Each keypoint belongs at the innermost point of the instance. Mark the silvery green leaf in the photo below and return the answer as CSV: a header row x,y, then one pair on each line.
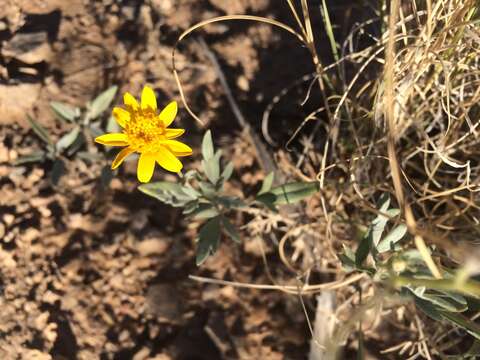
x,y
191,192
379,223
211,167
384,202
67,140
208,190
190,207
205,211
112,125
41,132
207,145
231,202
267,183
230,230
95,130
101,102
227,172
289,193
31,158
190,174
64,111
208,240
394,236
167,192
77,144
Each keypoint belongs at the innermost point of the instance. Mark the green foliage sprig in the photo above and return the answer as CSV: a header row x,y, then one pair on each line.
x,y
404,268
202,197
86,123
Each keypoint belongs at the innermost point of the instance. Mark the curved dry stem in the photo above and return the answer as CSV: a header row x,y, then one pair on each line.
x,y
215,20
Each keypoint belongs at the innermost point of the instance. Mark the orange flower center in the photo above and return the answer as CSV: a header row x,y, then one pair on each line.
x,y
145,131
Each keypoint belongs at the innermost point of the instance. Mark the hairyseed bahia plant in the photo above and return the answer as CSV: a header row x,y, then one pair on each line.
x,y
146,132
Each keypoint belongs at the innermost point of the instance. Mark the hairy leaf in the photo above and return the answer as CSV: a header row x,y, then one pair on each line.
x,y
211,166
102,102
167,192
230,230
267,183
67,140
227,172
205,211
288,193
394,236
64,111
207,145
31,158
41,132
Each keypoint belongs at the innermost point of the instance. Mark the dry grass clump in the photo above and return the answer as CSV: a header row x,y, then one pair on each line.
x,y
437,115
419,142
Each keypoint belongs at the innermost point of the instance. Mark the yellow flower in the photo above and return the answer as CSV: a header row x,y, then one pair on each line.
x,y
146,132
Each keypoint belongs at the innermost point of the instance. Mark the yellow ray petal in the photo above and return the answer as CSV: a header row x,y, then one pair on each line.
x,y
112,139
149,101
168,113
178,147
168,161
146,166
130,101
173,133
120,157
181,154
121,115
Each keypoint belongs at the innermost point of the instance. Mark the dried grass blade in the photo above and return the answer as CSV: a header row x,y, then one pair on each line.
x,y
215,20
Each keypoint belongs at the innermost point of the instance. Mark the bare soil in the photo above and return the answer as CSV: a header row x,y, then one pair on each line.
x,y
95,273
